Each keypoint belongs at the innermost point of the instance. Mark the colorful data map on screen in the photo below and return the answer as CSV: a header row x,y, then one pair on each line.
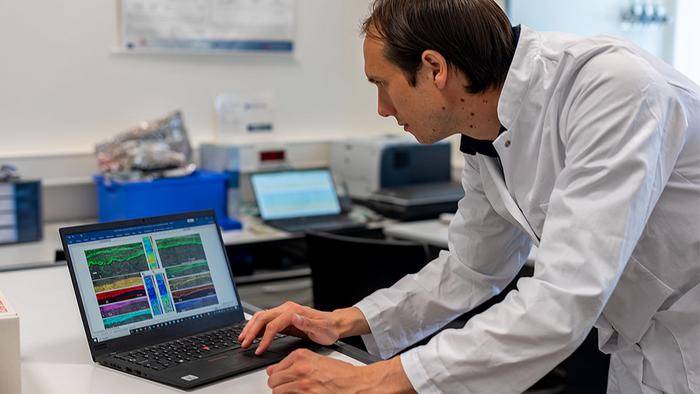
x,y
119,288
137,281
187,271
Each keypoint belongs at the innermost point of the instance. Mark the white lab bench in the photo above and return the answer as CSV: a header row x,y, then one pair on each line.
x,y
54,351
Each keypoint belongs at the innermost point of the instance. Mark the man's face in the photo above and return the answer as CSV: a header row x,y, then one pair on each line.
x,y
420,109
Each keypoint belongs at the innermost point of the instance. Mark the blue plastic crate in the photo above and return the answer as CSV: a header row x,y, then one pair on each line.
x,y
118,200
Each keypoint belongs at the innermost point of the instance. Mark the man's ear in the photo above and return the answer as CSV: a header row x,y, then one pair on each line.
x,y
435,67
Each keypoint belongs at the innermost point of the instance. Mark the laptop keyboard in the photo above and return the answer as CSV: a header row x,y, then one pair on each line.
x,y
173,353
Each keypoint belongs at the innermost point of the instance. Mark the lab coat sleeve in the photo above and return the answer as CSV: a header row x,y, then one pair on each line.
x,y
621,134
485,253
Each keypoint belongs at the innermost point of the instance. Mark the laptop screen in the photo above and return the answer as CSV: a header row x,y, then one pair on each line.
x,y
133,279
295,194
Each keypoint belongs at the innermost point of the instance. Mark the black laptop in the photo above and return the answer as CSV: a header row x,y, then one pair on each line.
x,y
300,200
158,300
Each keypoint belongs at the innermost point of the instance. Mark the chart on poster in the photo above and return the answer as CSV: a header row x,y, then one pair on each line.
x,y
205,26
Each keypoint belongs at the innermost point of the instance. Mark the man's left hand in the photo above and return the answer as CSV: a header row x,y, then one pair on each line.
x,y
304,371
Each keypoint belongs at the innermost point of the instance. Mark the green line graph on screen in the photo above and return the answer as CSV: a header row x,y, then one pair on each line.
x,y
116,260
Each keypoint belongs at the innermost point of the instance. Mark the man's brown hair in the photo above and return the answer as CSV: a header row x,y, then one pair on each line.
x,y
473,35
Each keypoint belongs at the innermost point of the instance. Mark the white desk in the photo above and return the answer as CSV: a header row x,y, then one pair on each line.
x,y
55,355
43,253
31,254
433,232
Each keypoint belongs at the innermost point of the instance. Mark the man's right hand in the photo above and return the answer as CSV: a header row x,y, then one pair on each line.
x,y
301,321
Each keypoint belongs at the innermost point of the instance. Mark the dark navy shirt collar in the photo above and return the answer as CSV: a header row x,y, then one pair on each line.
x,y
473,146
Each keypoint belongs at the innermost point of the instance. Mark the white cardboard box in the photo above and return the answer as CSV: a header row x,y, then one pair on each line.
x,y
9,349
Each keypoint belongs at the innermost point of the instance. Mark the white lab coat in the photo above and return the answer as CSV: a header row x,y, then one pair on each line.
x,y
601,170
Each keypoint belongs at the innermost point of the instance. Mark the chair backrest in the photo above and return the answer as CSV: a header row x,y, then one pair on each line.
x,y
345,269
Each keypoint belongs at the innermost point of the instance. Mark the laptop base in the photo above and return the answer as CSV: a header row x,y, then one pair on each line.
x,y
213,368
337,224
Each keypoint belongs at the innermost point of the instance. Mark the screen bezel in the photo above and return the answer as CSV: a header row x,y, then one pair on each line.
x,y
264,173
156,335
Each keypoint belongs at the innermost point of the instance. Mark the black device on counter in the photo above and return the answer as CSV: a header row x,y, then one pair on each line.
x,y
416,202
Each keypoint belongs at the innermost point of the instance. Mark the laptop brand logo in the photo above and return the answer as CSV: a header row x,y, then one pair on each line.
x,y
189,378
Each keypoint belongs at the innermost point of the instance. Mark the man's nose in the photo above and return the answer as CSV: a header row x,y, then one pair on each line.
x,y
385,109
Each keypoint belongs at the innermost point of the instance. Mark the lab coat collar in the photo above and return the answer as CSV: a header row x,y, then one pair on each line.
x,y
519,77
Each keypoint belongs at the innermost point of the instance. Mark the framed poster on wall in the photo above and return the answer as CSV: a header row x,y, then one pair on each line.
x,y
206,26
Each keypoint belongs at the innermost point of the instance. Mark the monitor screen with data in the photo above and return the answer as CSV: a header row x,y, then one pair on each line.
x,y
138,277
295,194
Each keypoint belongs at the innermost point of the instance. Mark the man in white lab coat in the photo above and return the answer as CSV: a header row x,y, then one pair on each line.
x,y
587,148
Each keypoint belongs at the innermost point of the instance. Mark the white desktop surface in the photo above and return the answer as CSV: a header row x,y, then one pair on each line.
x,y
433,232
43,252
54,350
36,252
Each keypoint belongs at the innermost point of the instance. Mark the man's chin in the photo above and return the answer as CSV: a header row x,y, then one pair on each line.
x,y
426,139
419,139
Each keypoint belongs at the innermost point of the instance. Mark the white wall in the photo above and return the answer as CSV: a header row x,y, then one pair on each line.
x,y
594,17
686,53
61,90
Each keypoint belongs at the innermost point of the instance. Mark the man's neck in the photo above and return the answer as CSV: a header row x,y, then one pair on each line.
x,y
478,117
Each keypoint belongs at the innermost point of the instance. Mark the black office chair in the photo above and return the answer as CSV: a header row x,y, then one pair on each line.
x,y
345,269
